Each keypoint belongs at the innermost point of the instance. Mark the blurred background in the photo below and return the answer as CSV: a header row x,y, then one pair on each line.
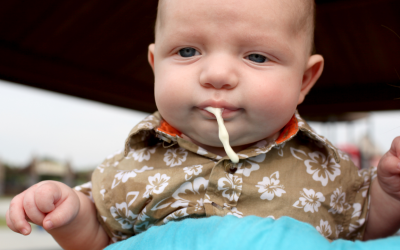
x,y
74,79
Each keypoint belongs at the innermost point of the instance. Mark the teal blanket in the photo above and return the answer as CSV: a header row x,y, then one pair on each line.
x,y
250,232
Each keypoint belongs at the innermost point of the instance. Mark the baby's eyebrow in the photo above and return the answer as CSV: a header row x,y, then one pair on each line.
x,y
272,43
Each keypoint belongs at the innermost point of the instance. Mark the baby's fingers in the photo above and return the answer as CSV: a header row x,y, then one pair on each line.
x,y
64,208
30,206
15,216
46,196
9,223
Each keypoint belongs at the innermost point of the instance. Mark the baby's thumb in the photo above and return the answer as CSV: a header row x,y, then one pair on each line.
x,y
390,163
61,215
395,147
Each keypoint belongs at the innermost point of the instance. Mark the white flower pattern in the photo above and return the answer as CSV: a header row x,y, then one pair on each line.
x,y
251,165
231,187
175,157
124,175
233,211
367,182
190,191
269,187
338,202
176,215
310,201
123,215
157,184
321,167
193,170
339,229
142,154
356,223
199,205
324,228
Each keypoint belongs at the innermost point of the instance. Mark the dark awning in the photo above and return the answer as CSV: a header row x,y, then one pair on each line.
x,y
98,50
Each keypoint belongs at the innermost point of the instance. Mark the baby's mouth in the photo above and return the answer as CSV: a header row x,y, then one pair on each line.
x,y
223,133
228,109
226,113
211,111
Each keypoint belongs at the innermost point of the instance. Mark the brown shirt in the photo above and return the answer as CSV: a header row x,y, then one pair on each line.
x,y
161,177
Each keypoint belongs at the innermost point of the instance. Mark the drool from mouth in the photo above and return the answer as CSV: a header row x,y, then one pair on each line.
x,y
223,134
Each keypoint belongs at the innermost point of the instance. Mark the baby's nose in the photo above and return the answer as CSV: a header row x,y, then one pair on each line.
x,y
219,73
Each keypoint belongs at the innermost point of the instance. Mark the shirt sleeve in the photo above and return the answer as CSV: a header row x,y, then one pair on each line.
x,y
360,205
112,210
109,216
86,189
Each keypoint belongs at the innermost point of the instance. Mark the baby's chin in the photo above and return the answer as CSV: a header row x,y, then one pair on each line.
x,y
204,141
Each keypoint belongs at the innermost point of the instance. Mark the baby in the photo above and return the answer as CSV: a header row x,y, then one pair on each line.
x,y
251,60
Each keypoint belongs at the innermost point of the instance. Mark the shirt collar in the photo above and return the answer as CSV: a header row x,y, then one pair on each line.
x,y
155,126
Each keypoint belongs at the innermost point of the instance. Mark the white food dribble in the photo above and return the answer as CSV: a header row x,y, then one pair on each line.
x,y
223,134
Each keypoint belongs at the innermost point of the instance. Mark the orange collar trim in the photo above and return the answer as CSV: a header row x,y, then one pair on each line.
x,y
288,131
291,128
168,129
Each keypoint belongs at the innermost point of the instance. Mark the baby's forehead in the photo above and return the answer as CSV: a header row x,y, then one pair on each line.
x,y
299,14
293,8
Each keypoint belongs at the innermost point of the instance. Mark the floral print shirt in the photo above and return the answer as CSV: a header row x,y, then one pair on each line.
x,y
160,177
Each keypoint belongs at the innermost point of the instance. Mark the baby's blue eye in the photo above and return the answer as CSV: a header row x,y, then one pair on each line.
x,y
257,58
188,52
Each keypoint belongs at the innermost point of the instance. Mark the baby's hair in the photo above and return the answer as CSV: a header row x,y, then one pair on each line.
x,y
158,17
311,22
306,23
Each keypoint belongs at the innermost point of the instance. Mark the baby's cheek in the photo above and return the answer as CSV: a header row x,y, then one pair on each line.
x,y
167,93
274,109
262,101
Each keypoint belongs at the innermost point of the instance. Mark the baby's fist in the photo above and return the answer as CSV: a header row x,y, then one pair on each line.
x,y
49,204
389,170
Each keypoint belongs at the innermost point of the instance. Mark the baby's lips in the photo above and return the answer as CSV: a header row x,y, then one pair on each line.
x,y
212,110
222,104
226,114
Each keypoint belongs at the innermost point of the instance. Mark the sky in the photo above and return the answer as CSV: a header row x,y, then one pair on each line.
x,y
41,123
38,123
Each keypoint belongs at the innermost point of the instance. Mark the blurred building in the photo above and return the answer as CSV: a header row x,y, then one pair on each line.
x,y
39,170
371,154
365,154
14,179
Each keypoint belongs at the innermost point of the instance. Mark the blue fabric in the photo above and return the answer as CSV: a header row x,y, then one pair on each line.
x,y
250,232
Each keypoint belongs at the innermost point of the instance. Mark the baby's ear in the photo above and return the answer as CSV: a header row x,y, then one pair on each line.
x,y
150,55
313,71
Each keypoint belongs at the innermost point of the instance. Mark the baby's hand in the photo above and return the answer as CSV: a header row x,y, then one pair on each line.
x,y
389,170
49,204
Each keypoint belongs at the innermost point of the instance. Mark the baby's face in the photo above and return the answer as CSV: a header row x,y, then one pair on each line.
x,y
243,56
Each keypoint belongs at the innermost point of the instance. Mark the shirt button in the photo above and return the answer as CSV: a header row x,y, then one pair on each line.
x,y
232,170
229,167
